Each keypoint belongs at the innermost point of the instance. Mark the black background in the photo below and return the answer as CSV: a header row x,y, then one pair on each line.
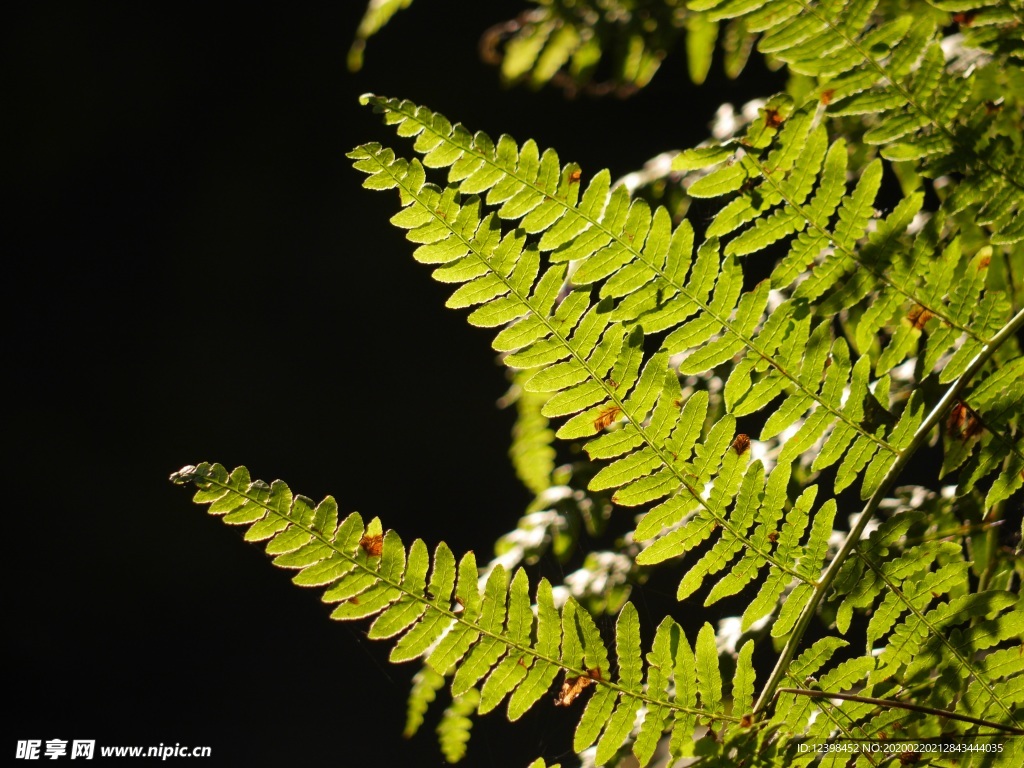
x,y
194,273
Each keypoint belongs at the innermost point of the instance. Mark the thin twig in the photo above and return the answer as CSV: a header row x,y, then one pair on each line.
x,y
901,705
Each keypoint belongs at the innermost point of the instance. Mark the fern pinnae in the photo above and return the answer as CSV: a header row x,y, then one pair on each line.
x,y
844,676
918,106
659,674
843,240
627,647
921,624
456,723
542,671
911,443
788,707
425,685
594,399
377,14
459,628
635,223
489,649
432,624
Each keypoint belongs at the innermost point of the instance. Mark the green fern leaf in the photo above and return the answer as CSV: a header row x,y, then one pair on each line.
x,y
685,677
743,681
486,652
719,556
405,610
474,637
461,634
874,331
423,634
595,718
627,648
425,685
659,676
709,678
453,730
768,516
543,671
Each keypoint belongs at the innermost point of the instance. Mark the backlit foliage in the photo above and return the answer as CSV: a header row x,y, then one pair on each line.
x,y
757,436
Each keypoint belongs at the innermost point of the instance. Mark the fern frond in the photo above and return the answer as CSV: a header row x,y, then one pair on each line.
x,y
590,356
425,685
490,644
906,280
378,13
532,453
453,730
372,573
586,354
897,71
566,43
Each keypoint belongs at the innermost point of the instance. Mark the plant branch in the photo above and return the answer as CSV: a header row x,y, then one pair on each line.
x,y
901,705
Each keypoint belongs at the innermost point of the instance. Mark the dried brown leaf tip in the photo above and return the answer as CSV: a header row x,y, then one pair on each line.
x,y
956,419
607,417
574,686
772,118
826,96
741,444
963,422
919,316
372,545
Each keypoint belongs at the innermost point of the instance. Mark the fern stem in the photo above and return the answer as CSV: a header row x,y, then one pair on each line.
x,y
901,705
898,465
